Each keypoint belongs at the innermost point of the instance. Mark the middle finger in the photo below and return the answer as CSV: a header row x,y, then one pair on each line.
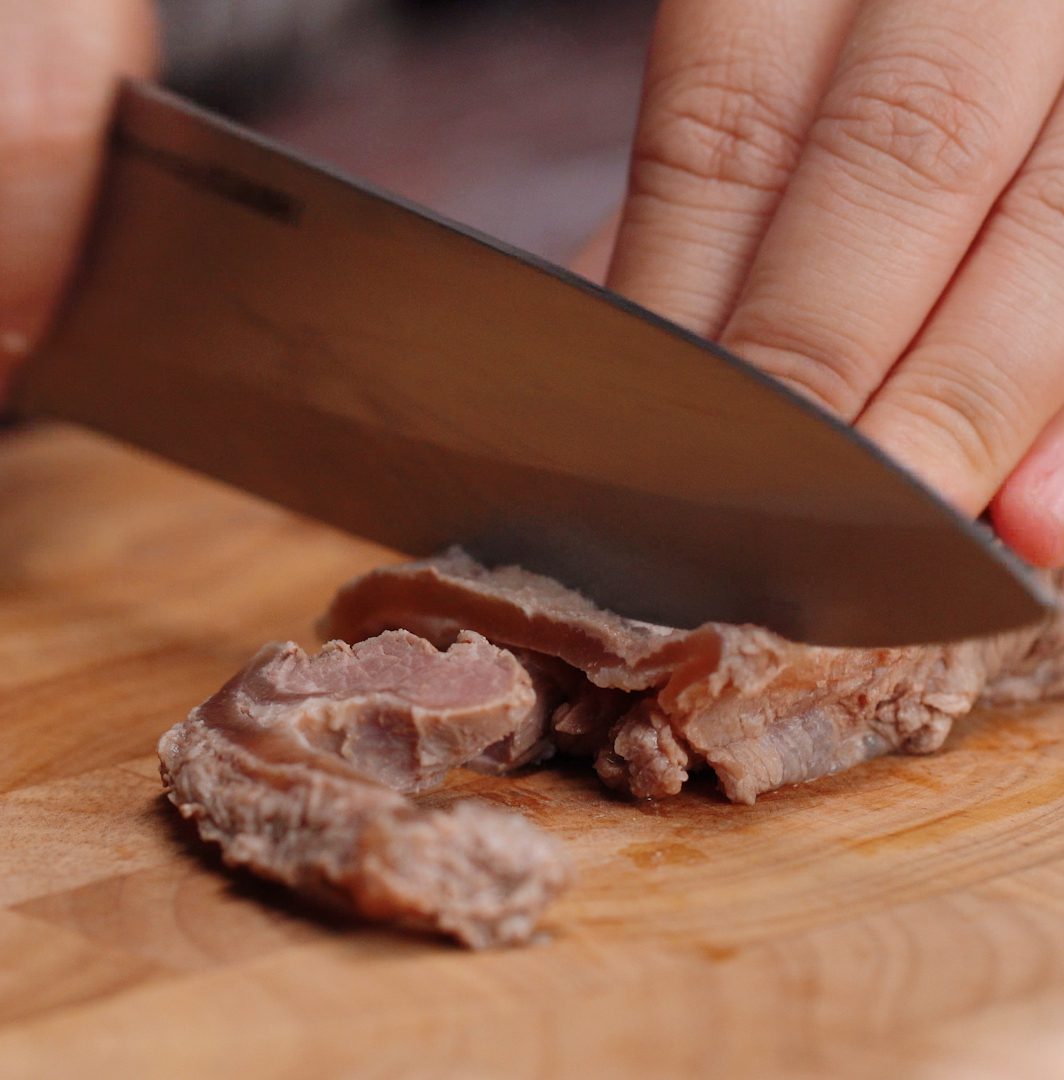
x,y
731,87
933,106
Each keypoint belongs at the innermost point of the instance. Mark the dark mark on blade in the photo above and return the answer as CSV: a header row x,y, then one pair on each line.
x,y
217,179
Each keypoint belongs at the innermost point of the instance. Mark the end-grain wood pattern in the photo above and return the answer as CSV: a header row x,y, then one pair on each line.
x,y
906,919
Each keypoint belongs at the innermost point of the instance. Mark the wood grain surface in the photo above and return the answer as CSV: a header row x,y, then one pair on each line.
x,y
904,920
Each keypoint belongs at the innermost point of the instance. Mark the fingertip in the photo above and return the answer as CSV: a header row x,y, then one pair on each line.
x,y
1025,521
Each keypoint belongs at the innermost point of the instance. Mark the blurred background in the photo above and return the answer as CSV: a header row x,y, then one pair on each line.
x,y
513,116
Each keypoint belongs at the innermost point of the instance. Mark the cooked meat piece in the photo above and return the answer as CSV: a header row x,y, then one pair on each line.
x,y
395,708
296,765
1036,675
815,711
438,597
759,710
530,743
580,725
643,755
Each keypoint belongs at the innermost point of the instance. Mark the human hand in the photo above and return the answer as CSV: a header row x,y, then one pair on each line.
x,y
865,198
61,60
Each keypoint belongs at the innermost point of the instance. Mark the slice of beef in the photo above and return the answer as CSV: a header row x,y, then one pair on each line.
x,y
436,598
641,754
1035,675
296,768
812,711
581,723
530,743
759,710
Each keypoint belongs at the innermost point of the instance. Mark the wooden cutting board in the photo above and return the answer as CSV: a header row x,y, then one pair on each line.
x,y
906,919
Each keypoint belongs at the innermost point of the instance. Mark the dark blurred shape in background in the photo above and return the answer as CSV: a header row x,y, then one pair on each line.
x,y
513,116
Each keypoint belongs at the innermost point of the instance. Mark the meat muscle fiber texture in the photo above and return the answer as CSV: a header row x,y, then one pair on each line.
x,y
296,768
758,710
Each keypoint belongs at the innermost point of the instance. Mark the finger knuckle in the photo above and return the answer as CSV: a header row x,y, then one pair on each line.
x,y
932,120
817,361
709,126
966,406
1036,200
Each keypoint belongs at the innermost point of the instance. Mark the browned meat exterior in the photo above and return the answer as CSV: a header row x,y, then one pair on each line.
x,y
759,710
296,768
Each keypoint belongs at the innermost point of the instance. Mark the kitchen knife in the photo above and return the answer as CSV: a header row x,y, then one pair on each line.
x,y
358,359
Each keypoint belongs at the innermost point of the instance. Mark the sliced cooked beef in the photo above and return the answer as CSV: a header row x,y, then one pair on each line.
x,y
1035,675
299,765
815,711
759,710
296,768
438,597
579,725
530,743
642,754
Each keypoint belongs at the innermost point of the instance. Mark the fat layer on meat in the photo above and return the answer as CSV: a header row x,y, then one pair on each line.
x,y
759,710
298,765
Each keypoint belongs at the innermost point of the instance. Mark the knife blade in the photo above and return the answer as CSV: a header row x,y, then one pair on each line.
x,y
360,360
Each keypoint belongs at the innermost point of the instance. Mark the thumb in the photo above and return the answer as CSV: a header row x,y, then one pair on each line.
x,y
62,59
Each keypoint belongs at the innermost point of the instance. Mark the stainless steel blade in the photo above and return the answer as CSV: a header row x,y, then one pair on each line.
x,y
359,360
